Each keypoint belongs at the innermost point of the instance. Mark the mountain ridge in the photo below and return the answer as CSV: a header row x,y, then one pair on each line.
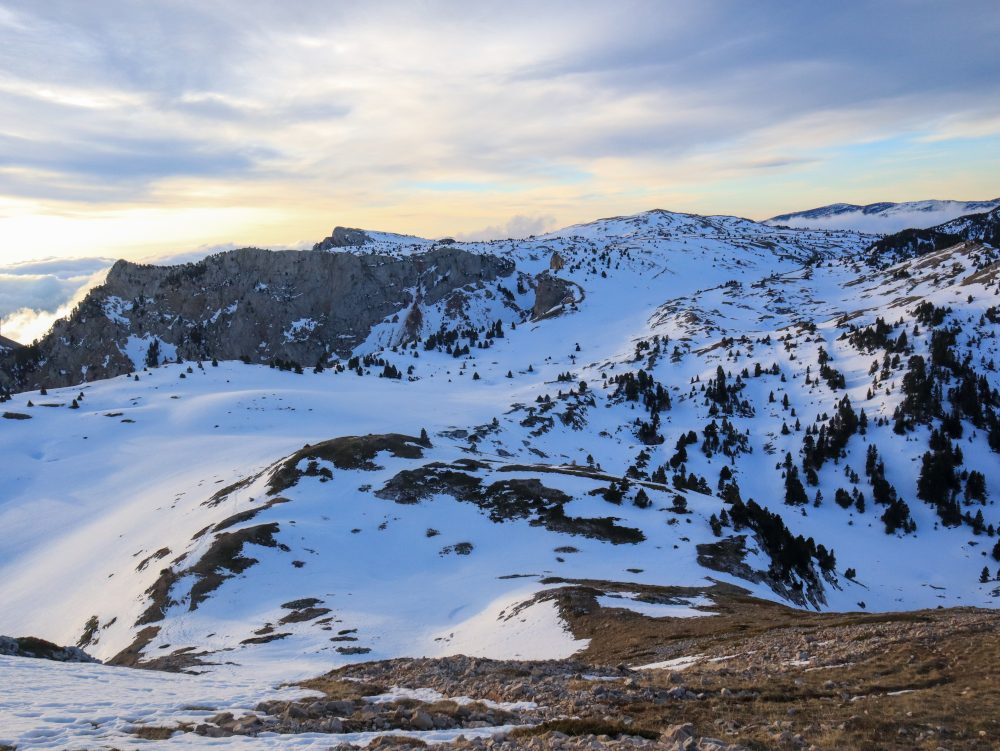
x,y
884,217
296,318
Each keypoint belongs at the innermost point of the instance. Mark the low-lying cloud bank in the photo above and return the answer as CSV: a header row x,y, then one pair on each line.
x,y
34,294
918,214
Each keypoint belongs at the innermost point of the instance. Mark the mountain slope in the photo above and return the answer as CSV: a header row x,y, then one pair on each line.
x,y
984,228
669,401
882,218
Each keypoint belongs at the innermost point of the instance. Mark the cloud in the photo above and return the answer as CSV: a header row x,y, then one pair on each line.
x,y
46,285
516,228
888,222
365,110
34,295
60,268
25,325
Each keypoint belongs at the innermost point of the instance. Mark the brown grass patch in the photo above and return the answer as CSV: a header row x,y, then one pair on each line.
x,y
585,727
153,732
339,690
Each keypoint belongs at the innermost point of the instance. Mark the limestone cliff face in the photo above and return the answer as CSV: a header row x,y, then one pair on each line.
x,y
551,292
249,303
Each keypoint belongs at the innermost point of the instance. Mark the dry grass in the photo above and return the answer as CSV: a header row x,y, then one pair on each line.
x,y
153,732
339,690
621,636
873,682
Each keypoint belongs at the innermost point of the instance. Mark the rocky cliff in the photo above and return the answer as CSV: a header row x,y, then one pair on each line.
x,y
251,304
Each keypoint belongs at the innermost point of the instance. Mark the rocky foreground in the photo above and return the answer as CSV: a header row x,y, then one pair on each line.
x,y
922,680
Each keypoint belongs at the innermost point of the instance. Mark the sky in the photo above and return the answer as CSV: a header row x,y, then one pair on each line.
x,y
138,130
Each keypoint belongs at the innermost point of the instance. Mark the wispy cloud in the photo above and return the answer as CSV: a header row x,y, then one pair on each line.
x,y
447,118
516,228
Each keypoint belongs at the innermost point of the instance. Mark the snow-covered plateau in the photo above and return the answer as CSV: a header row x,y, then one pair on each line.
x,y
652,409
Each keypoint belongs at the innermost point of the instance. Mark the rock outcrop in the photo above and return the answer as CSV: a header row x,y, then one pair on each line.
x,y
29,646
251,304
550,293
343,237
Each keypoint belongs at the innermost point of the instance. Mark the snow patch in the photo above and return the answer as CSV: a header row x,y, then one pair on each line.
x,y
677,663
508,629
630,601
300,329
136,347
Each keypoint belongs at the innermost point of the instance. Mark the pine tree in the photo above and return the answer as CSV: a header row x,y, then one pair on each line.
x,y
843,498
795,494
984,576
153,354
612,494
975,487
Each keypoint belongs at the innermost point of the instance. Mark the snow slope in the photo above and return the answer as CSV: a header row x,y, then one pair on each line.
x,y
171,514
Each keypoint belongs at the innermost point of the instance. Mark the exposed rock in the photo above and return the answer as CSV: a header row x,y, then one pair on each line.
x,y
29,646
982,227
343,237
260,305
422,721
550,292
678,733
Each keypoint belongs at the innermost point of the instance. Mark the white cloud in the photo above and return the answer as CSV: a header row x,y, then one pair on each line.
x,y
265,120
516,228
35,295
883,223
26,325
48,284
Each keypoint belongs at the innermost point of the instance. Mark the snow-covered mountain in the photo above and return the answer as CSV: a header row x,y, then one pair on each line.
x,y
661,400
882,218
981,228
